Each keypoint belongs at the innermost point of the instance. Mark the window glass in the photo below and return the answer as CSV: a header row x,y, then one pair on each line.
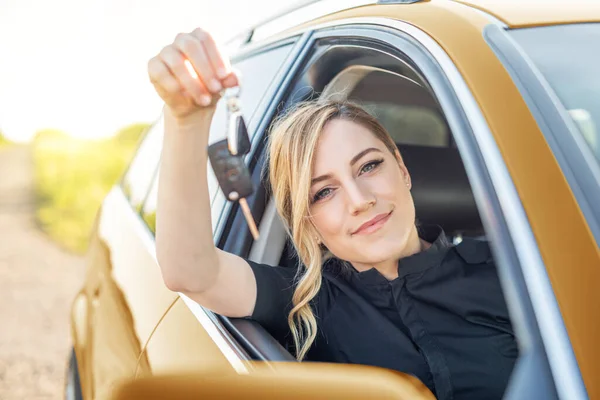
x,y
258,71
141,170
568,57
149,212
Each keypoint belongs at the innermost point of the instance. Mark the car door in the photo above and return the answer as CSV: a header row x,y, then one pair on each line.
x,y
482,130
124,296
553,69
503,151
190,337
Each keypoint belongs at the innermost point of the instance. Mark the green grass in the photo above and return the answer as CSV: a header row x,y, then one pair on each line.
x,y
72,177
4,141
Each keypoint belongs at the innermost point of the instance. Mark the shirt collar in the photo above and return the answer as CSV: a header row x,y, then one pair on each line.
x,y
416,263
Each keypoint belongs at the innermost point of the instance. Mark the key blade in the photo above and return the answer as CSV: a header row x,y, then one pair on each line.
x,y
249,218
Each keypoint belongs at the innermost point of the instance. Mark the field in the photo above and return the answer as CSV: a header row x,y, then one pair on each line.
x,y
72,177
3,141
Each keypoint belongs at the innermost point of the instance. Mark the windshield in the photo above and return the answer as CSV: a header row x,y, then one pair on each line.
x,y
569,58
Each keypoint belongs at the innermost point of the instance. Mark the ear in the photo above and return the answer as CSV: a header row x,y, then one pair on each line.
x,y
403,169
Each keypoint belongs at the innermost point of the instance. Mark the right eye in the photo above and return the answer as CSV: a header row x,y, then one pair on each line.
x,y
321,194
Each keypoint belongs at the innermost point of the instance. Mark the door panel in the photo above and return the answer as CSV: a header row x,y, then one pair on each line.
x,y
126,295
180,343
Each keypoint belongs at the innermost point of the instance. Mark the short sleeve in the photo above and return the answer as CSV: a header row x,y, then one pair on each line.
x,y
274,291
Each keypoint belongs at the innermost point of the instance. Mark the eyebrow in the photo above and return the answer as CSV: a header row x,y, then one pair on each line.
x,y
362,154
352,162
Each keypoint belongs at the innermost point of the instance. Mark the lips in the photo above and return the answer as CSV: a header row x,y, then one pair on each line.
x,y
373,224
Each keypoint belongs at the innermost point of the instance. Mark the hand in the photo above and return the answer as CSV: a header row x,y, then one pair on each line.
x,y
188,73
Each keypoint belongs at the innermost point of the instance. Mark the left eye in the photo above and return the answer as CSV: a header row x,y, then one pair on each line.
x,y
370,166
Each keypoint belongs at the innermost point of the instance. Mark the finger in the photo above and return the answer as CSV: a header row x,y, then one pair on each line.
x,y
174,60
162,79
221,67
193,50
174,98
167,86
233,79
168,94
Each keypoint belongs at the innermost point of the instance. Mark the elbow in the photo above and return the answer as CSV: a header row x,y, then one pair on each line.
x,y
185,277
171,274
180,284
173,283
171,279
187,286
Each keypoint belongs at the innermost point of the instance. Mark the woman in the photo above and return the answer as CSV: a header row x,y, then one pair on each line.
x,y
374,289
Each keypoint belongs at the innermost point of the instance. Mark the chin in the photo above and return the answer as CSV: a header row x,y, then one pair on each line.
x,y
382,249
388,246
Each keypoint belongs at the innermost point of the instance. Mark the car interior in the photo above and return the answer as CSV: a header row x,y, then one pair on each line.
x,y
395,92
441,190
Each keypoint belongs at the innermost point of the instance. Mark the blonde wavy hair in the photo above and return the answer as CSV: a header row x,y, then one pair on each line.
x,y
292,143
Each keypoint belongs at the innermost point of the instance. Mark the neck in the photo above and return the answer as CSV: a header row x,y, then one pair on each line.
x,y
389,268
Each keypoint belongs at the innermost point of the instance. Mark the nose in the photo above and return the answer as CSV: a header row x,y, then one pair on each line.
x,y
359,198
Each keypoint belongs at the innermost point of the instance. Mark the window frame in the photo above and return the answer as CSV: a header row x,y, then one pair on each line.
x,y
256,122
216,197
145,137
263,346
228,338
542,354
231,336
576,161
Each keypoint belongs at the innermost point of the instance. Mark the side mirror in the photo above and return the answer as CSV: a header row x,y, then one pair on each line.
x,y
280,380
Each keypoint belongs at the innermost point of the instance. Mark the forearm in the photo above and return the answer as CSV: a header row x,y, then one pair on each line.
x,y
184,244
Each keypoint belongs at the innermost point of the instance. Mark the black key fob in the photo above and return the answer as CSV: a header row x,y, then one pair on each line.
x,y
231,171
227,160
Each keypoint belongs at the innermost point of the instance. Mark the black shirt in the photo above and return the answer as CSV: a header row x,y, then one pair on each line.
x,y
444,319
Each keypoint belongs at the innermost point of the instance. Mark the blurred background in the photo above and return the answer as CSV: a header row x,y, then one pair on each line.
x,y
74,100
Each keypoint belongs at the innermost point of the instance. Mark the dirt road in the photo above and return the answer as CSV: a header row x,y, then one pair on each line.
x,y
37,283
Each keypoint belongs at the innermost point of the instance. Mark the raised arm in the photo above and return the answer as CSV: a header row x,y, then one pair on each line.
x,y
188,75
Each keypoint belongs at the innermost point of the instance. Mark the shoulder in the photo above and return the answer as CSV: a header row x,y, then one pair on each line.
x,y
474,251
279,280
260,270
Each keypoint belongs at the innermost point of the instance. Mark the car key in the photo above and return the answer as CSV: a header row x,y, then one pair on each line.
x,y
227,159
237,133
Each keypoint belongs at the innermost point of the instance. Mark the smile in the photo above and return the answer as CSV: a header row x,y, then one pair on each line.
x,y
373,225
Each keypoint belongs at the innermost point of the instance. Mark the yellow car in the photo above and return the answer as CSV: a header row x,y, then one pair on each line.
x,y
495,106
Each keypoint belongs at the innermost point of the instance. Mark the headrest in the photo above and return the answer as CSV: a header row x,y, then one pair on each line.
x,y
441,189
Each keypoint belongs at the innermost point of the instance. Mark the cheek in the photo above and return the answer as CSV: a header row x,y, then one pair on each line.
x,y
390,189
388,186
329,218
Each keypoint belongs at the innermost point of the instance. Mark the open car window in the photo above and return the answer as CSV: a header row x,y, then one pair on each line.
x,y
430,143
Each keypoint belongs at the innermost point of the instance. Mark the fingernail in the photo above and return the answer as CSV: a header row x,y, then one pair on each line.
x,y
205,100
215,86
221,73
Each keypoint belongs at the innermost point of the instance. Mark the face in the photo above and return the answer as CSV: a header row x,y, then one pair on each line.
x,y
360,196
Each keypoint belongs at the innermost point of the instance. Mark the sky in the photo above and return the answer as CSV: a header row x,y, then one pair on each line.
x,y
80,66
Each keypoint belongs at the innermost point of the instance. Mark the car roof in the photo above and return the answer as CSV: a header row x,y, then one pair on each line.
x,y
519,14
513,13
